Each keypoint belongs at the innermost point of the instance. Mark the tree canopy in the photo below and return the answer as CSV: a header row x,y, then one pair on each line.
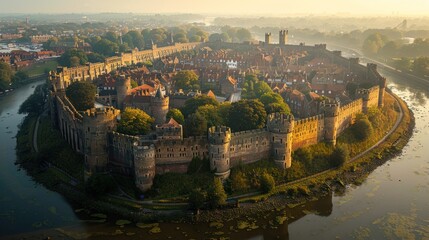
x,y
195,125
273,102
186,80
72,58
267,182
82,95
6,74
211,114
191,105
34,104
134,122
105,47
216,194
340,156
254,88
176,114
247,115
362,129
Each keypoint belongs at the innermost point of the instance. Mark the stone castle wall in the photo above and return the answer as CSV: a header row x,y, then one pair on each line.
x,y
308,131
249,146
93,70
93,132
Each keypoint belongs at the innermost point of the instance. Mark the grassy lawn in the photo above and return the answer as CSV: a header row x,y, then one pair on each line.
x,y
41,67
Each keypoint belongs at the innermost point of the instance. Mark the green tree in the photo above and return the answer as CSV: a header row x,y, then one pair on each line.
x,y
6,74
224,37
181,38
247,115
216,194
223,111
403,64
362,129
273,102
95,58
197,198
304,155
243,34
186,80
99,184
421,66
196,125
134,122
267,182
239,182
111,36
34,104
19,76
192,104
82,95
254,88
340,156
134,84
134,39
72,57
373,43
105,47
176,114
211,114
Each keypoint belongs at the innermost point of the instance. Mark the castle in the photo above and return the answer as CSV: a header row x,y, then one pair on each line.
x,y
92,132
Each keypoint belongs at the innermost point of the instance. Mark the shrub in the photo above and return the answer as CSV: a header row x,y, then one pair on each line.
x,y
99,184
197,198
362,129
216,194
340,156
267,182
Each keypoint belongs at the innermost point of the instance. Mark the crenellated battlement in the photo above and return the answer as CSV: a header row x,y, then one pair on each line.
x,y
219,135
280,122
105,112
309,119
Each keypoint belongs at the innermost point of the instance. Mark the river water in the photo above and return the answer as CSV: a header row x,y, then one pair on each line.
x,y
391,204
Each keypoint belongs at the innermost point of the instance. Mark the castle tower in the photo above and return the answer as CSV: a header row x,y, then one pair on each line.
x,y
364,94
123,86
219,139
283,37
159,107
331,110
382,90
144,166
267,38
281,130
97,123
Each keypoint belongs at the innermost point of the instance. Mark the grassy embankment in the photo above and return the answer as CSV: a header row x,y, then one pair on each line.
x,y
352,172
41,67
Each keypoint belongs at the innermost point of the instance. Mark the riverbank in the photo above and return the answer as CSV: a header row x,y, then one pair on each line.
x,y
313,187
294,193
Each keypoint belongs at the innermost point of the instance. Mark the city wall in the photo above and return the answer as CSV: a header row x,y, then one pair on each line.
x,y
92,133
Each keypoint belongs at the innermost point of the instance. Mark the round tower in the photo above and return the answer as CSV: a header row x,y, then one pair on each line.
x,y
382,89
331,110
159,107
219,140
144,166
96,124
281,128
123,86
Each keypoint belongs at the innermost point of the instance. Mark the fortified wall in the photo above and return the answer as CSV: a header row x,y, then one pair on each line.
x,y
92,132
91,71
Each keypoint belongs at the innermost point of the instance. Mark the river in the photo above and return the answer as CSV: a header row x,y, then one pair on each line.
x,y
392,203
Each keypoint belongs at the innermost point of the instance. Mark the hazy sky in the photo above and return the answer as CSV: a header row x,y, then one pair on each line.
x,y
255,7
